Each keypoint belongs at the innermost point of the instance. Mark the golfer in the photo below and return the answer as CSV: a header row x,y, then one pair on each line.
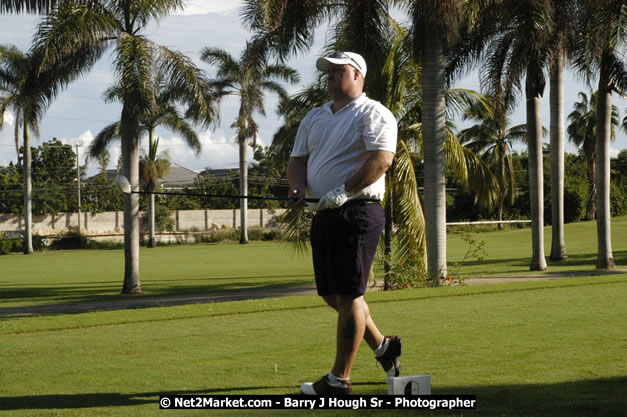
x,y
340,155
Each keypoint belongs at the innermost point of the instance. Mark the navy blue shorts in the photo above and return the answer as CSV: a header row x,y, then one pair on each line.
x,y
344,242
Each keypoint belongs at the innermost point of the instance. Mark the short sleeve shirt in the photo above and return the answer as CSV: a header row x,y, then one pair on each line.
x,y
336,144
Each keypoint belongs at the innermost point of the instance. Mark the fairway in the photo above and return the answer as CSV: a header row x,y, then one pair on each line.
x,y
72,276
204,269
530,349
524,349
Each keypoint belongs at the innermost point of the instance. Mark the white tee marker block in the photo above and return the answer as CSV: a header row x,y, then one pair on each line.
x,y
409,385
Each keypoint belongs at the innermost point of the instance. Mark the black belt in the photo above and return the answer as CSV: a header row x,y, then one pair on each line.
x,y
360,202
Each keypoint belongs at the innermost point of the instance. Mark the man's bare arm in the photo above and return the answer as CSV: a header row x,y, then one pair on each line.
x,y
375,165
297,178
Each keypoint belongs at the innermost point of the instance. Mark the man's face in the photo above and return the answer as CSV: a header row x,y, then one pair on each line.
x,y
342,80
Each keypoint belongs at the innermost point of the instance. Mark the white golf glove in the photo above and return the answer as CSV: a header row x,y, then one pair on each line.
x,y
333,199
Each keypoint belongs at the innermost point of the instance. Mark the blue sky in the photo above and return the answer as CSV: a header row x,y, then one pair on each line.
x,y
79,113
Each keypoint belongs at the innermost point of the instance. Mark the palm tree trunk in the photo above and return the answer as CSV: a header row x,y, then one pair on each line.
x,y
433,137
151,197
28,193
152,243
500,209
243,188
130,162
605,259
591,202
536,184
558,245
389,225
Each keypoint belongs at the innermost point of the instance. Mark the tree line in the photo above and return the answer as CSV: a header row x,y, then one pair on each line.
x,y
518,46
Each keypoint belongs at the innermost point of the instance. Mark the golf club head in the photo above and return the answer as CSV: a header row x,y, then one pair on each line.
x,y
123,184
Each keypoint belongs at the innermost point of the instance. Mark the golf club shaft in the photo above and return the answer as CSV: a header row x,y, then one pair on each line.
x,y
249,197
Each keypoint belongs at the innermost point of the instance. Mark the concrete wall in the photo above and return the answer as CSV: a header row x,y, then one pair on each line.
x,y
113,222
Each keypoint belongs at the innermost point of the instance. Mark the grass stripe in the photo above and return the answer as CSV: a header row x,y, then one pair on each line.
x,y
42,324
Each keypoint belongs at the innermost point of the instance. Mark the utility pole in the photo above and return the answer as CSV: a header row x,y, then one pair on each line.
x,y
78,182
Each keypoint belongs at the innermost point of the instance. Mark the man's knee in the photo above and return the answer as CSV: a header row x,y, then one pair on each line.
x,y
331,300
344,301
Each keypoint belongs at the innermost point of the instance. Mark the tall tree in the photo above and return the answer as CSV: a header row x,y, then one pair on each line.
x,y
598,53
492,138
521,49
27,91
582,132
248,77
565,13
162,111
80,33
447,35
288,26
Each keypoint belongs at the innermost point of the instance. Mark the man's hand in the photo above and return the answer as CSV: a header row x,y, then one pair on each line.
x,y
333,199
296,196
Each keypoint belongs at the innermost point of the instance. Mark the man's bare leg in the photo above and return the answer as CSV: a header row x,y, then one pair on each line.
x,y
372,335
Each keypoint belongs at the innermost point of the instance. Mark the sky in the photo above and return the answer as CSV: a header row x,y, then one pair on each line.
x,y
79,113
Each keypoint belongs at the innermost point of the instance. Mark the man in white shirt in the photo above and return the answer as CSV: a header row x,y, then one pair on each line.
x,y
340,156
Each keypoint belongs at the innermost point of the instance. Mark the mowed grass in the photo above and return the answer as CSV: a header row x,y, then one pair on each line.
x,y
509,252
86,275
550,348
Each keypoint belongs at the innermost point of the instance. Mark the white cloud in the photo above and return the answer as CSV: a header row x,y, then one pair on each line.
x,y
208,6
218,150
614,152
8,118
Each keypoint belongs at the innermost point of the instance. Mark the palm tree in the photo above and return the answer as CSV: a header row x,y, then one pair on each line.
x,y
492,139
439,28
80,32
565,12
522,49
27,92
249,77
287,26
602,25
582,132
152,166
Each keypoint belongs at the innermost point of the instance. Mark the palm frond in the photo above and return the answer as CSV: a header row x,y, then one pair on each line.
x,y
179,125
192,86
143,12
471,171
102,140
28,6
286,26
295,225
459,99
407,210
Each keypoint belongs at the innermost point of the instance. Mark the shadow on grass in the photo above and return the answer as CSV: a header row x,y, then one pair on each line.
x,y
172,297
592,397
95,291
516,266
73,401
603,397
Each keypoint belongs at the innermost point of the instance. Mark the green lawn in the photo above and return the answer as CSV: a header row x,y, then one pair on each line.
x,y
509,252
72,276
550,348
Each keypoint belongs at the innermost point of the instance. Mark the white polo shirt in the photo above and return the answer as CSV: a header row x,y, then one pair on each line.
x,y
336,144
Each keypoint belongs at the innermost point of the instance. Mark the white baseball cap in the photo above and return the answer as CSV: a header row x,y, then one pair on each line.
x,y
341,58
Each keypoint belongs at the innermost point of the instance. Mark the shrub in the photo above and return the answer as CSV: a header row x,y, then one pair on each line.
x,y
618,198
69,240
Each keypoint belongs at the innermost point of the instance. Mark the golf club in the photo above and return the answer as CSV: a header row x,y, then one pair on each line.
x,y
125,186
